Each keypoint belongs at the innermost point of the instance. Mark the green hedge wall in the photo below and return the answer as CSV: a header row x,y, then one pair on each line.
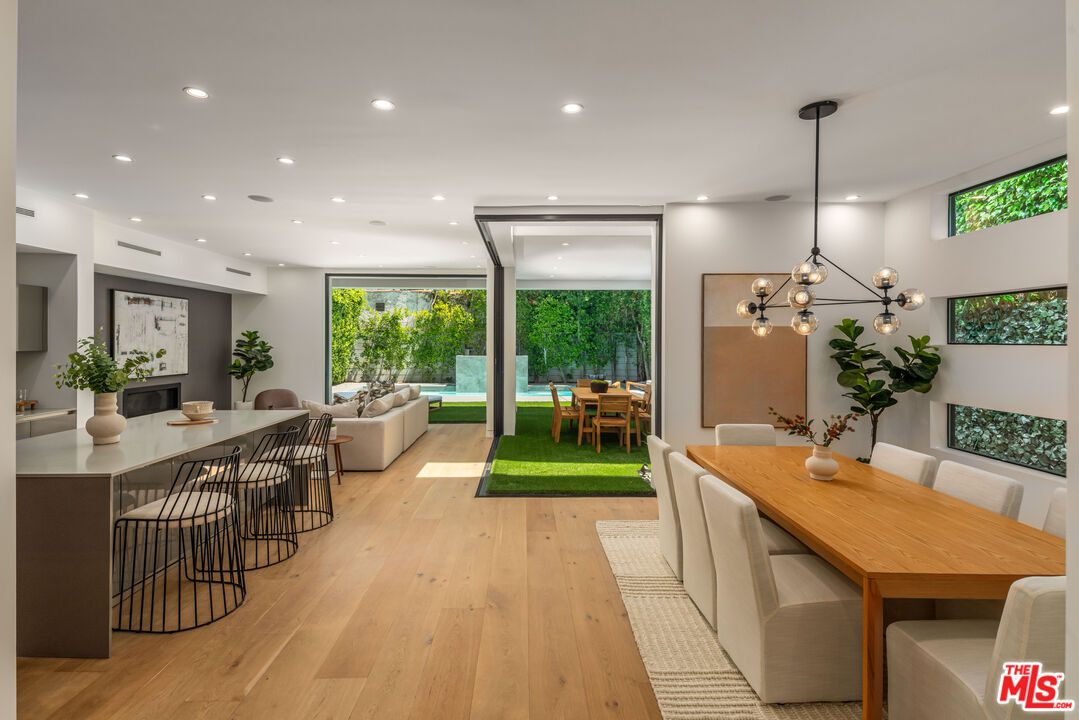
x,y
1027,440
1032,318
1034,192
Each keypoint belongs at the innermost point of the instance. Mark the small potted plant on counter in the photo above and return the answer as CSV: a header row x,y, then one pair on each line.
x,y
91,368
598,385
820,464
252,355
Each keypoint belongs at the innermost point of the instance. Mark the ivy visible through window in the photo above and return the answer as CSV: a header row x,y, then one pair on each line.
x,y
1033,317
1034,191
1027,440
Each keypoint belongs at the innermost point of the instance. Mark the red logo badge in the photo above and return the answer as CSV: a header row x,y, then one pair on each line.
x,y
1025,684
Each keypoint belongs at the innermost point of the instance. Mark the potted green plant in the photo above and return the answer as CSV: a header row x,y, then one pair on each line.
x,y
91,368
252,355
598,386
820,464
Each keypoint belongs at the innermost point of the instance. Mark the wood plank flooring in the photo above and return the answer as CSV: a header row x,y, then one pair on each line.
x,y
419,601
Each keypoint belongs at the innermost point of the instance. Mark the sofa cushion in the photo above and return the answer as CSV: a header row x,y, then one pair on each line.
x,y
401,397
377,406
337,410
414,391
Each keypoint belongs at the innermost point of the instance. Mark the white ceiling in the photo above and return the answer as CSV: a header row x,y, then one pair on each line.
x,y
681,98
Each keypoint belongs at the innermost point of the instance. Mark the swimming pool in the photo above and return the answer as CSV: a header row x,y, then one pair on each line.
x,y
537,392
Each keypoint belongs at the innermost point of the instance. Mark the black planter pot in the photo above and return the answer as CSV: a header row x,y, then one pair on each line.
x,y
598,386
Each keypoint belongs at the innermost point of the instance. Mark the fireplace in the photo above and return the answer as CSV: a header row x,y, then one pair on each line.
x,y
143,400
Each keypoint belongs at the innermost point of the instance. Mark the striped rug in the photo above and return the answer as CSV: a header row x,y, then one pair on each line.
x,y
692,677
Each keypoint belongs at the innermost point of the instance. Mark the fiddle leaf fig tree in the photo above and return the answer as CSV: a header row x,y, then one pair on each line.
x,y
252,355
858,364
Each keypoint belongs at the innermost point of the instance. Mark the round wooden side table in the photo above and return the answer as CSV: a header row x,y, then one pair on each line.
x,y
337,442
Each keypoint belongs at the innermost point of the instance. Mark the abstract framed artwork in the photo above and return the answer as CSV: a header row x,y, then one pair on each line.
x,y
743,375
145,322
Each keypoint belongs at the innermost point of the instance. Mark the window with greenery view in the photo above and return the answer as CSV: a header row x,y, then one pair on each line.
x,y
1027,440
1035,317
1034,191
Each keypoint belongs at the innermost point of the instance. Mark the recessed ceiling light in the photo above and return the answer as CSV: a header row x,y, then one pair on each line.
x,y
565,244
197,93
123,158
464,242
337,199
1059,110
550,276
260,198
559,257
572,108
82,196
280,264
439,198
202,240
471,257
453,222
297,221
702,198
777,198
382,104
135,219
853,197
382,266
247,254
209,197
334,242
377,223
286,160
552,197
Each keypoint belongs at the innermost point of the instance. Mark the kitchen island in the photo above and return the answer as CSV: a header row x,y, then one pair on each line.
x,y
69,493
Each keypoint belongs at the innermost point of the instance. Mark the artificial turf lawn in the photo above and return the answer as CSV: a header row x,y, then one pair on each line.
x,y
531,463
470,412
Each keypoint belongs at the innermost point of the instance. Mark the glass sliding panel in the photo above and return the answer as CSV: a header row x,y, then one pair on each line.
x,y
1033,317
1034,191
1027,440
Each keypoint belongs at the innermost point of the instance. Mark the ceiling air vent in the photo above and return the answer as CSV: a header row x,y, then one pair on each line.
x,y
138,248
24,211
238,272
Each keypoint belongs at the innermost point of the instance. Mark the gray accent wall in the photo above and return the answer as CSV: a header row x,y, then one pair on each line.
x,y
209,342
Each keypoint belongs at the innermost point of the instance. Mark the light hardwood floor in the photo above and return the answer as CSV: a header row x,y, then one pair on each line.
x,y
419,601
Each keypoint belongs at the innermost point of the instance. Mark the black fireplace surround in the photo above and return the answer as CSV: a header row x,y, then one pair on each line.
x,y
144,400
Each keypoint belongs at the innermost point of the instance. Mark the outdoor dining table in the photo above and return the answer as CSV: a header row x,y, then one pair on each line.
x,y
892,537
586,396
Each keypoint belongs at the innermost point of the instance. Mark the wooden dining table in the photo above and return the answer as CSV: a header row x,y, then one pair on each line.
x,y
585,396
893,537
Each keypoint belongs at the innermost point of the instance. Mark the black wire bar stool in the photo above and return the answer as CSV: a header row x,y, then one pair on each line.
x,y
310,474
180,557
264,494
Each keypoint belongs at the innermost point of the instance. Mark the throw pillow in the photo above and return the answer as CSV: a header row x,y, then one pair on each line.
x,y
338,410
400,397
414,391
377,406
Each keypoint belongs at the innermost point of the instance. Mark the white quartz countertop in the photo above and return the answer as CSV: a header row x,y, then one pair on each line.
x,y
146,440
42,414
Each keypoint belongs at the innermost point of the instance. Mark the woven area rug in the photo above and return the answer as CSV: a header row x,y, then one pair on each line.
x,y
691,675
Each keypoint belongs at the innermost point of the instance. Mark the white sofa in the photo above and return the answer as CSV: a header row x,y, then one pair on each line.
x,y
376,442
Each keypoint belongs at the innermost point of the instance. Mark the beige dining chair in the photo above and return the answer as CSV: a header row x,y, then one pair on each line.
x,y
698,570
791,623
745,434
670,532
1055,519
951,668
985,489
914,466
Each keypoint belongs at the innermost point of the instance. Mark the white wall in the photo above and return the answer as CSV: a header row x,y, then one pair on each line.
x,y
57,272
759,238
1072,624
1027,254
8,25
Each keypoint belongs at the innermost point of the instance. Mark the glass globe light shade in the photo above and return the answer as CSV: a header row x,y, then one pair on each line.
x,y
886,277
804,322
801,297
745,309
913,299
809,273
762,287
886,323
762,326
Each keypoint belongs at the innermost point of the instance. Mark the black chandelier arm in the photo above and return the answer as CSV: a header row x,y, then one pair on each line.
x,y
840,269
818,303
776,292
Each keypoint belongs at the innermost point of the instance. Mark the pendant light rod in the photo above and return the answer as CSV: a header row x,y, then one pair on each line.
x,y
816,186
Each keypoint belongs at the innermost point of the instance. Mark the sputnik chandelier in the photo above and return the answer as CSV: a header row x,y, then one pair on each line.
x,y
814,271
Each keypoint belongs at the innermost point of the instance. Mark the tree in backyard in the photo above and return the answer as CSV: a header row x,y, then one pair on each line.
x,y
385,345
554,332
347,306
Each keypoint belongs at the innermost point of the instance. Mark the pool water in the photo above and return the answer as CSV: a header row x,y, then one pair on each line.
x,y
539,392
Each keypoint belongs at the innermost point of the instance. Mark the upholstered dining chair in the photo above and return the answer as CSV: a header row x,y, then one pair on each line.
x,y
1055,519
670,532
914,466
745,434
952,668
985,489
791,623
698,569
558,415
277,399
613,412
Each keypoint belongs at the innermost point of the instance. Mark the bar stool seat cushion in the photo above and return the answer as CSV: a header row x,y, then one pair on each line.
x,y
304,453
262,474
184,509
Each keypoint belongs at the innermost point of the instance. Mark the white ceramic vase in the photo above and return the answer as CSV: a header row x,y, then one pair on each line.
x,y
106,424
241,405
820,464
